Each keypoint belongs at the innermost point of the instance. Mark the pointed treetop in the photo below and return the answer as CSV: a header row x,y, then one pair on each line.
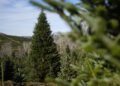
x,y
42,16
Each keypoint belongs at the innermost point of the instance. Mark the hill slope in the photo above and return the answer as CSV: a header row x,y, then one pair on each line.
x,y
15,40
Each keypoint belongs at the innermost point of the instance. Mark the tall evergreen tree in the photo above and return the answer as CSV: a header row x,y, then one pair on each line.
x,y
44,56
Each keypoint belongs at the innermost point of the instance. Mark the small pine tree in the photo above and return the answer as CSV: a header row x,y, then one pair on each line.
x,y
44,55
19,67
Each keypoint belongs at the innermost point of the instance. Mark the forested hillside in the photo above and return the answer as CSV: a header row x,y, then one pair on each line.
x,y
14,39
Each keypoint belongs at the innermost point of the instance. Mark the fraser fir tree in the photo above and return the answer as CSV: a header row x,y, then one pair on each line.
x,y
44,56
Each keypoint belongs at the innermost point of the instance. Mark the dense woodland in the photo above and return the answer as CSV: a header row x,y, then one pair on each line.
x,y
89,55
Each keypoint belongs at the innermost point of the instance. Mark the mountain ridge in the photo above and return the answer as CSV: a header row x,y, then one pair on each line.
x,y
15,40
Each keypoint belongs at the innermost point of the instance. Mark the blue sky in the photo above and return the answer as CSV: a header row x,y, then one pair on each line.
x,y
18,17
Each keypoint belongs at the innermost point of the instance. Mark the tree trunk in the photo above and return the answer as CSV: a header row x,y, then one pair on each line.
x,y
2,73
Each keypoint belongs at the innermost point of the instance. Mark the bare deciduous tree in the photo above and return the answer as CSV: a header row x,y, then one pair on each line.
x,y
6,49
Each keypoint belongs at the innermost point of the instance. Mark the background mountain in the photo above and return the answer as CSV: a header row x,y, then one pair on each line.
x,y
20,45
15,40
14,45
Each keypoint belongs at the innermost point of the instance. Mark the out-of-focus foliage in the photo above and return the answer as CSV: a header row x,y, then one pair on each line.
x,y
89,69
85,10
69,57
100,65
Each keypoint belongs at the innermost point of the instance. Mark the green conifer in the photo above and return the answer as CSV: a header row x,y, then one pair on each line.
x,y
44,55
